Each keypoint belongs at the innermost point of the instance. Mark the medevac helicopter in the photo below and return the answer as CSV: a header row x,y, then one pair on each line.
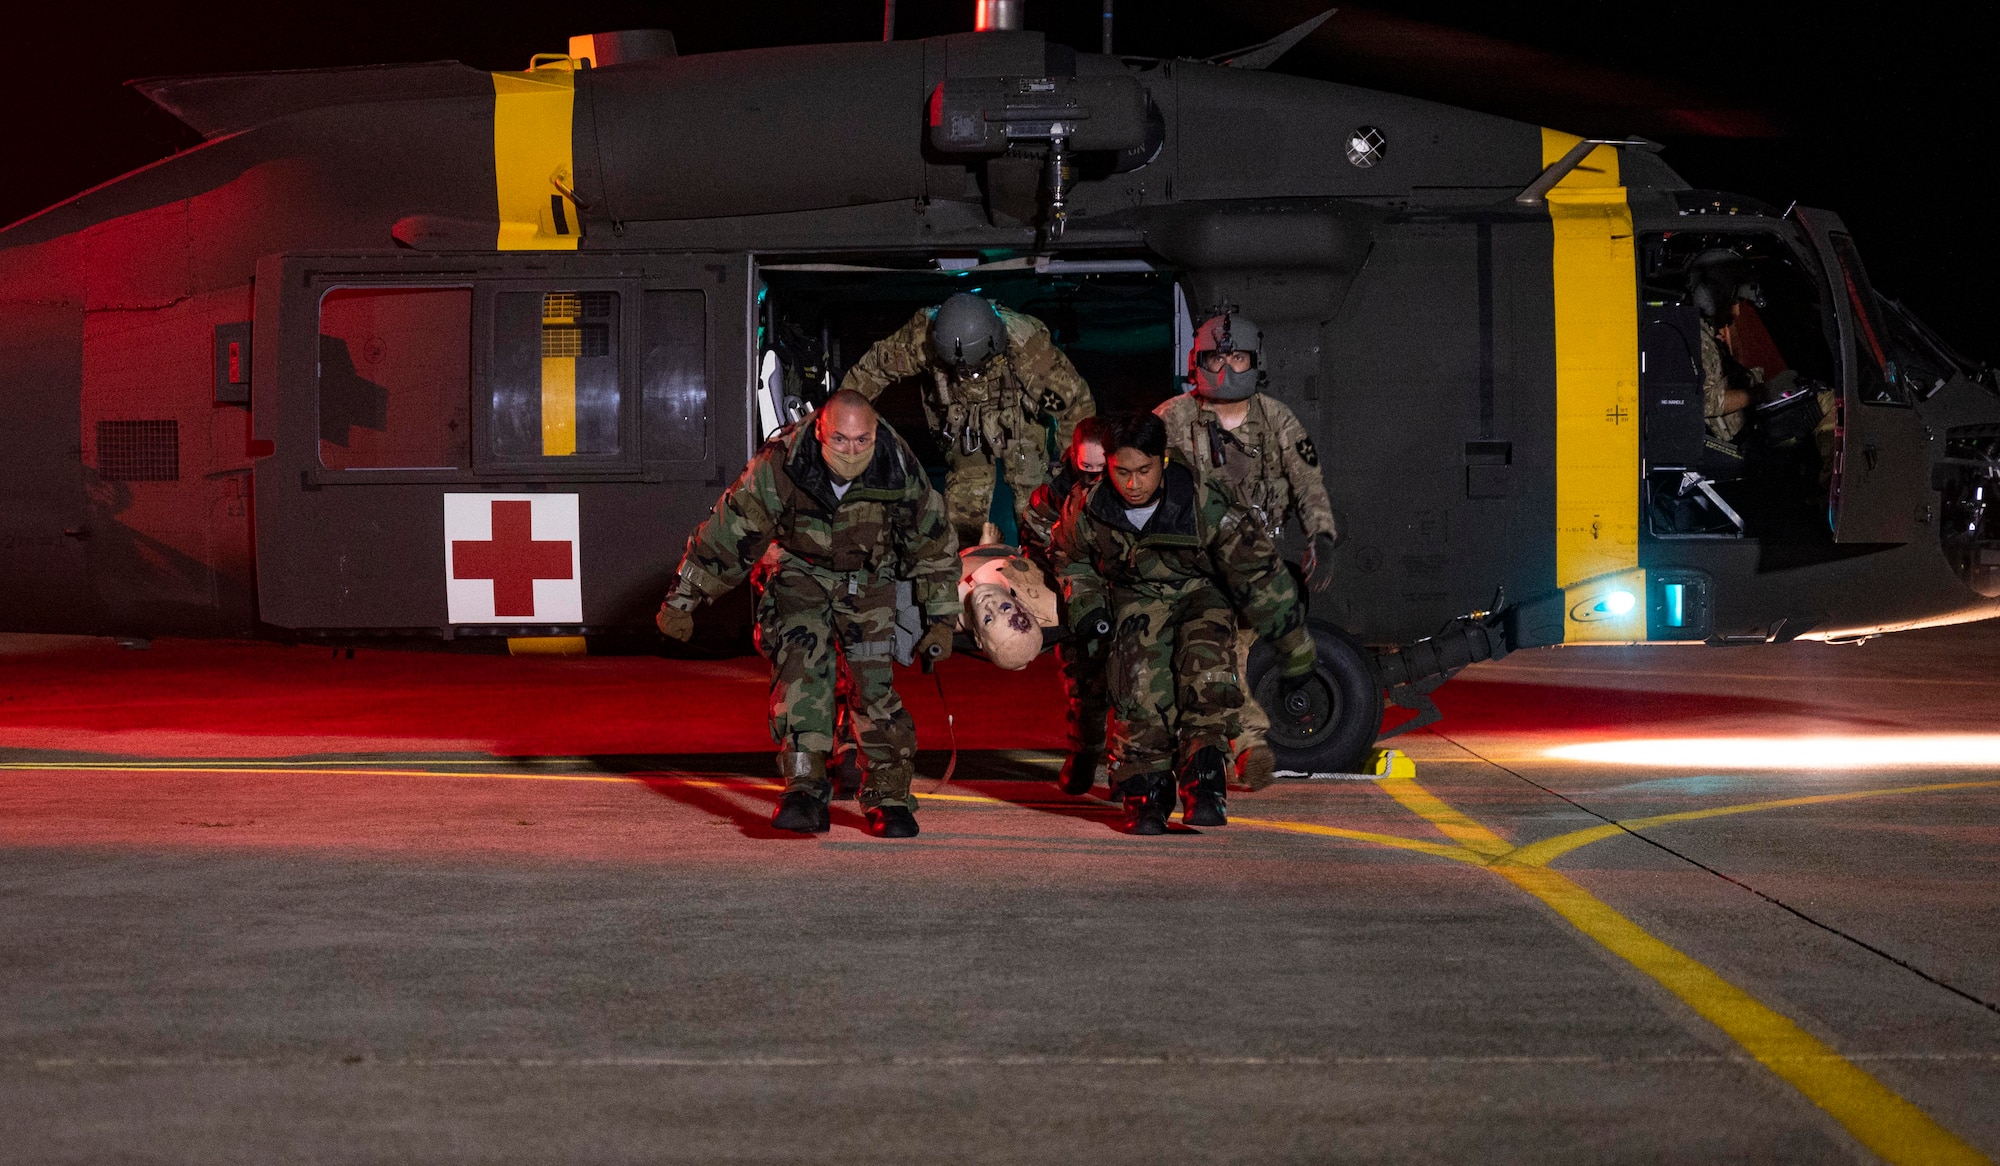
x,y
424,350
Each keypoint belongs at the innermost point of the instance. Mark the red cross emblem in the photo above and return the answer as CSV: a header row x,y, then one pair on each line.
x,y
511,558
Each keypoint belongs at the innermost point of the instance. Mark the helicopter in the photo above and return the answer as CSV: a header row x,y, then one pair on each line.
x,y
429,351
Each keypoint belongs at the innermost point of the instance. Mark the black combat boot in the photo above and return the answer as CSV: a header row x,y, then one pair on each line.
x,y
892,822
799,810
1149,800
1079,772
802,809
1204,788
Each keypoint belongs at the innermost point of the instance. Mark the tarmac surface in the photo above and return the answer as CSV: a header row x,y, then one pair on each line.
x,y
268,904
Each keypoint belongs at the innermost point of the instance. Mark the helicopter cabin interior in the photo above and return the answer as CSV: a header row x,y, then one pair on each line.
x,y
1115,319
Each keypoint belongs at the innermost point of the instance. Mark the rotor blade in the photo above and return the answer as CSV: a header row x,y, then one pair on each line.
x,y
1266,54
1377,49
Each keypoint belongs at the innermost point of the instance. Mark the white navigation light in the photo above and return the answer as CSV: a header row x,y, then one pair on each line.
x,y
1619,602
1806,752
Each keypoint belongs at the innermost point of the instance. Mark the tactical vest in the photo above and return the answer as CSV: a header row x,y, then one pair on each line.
x,y
991,412
1252,475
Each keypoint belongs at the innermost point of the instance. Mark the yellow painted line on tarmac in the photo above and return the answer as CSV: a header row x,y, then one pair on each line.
x,y
1879,1118
1421,846
1549,849
1874,1114
1449,822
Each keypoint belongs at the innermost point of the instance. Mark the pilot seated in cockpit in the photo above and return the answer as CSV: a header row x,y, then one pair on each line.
x,y
1718,282
1744,376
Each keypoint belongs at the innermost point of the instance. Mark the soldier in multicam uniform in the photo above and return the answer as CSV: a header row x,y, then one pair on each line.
x,y
1717,282
830,513
996,386
1174,566
1081,657
1255,448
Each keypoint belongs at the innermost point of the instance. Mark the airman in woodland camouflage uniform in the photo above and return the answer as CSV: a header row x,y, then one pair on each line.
x,y
1081,657
829,514
1255,448
1175,566
995,387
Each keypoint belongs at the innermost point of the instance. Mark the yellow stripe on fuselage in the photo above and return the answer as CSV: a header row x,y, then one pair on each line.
x,y
1597,383
558,406
531,155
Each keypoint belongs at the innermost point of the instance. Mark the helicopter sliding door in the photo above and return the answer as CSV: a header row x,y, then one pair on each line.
x,y
495,444
1880,486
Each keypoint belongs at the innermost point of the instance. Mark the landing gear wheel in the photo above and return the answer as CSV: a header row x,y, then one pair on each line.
x,y
1331,723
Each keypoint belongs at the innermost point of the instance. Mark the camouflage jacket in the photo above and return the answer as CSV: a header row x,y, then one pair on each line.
x,y
1720,372
1034,386
1268,464
1194,539
890,525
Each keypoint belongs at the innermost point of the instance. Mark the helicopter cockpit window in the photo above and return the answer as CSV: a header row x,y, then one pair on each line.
x,y
395,378
1737,379
1877,379
555,375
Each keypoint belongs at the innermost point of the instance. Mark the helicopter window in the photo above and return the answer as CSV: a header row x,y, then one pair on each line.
x,y
1736,376
555,374
395,378
674,376
1877,380
1923,362
1779,325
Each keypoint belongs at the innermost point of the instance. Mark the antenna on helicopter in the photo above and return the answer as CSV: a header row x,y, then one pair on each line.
x,y
1266,53
1107,28
888,20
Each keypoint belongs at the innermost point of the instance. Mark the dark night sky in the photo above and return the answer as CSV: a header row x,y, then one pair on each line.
x,y
1885,121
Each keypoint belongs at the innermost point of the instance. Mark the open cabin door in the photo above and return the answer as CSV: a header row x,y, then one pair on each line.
x,y
508,444
1880,485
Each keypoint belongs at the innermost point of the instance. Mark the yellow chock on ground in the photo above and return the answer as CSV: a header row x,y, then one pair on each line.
x,y
546,646
1391,763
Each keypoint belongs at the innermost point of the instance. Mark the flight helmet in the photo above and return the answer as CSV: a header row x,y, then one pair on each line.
x,y
1225,332
967,332
1719,277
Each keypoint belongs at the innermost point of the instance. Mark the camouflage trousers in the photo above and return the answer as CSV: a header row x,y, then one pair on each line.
x,y
1256,722
969,484
1173,679
1089,701
828,641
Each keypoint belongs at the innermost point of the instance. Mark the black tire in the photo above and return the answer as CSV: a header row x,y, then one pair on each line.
x,y
1343,708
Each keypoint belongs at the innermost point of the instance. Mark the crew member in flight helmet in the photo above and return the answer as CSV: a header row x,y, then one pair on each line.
x,y
1171,566
996,390
829,514
1252,445
1718,280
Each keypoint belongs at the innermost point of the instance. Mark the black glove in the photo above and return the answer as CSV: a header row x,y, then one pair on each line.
x,y
1318,561
1094,631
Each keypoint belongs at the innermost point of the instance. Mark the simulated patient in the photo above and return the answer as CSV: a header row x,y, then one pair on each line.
x,y
1006,599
